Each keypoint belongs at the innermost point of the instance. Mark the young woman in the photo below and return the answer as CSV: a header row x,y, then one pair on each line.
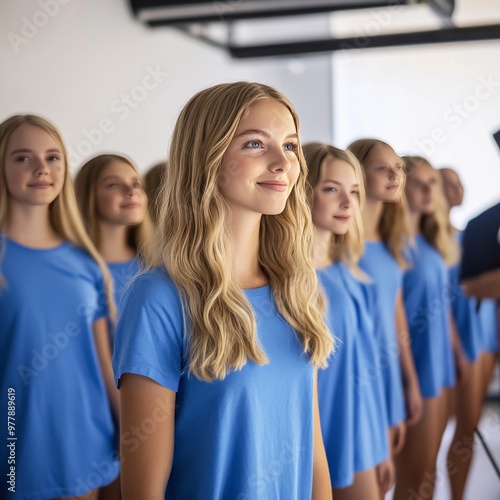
x,y
113,205
477,328
54,351
217,343
435,345
387,233
352,410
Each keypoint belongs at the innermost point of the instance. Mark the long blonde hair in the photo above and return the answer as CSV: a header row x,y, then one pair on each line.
x,y
63,211
348,247
436,227
193,244
152,183
86,187
393,225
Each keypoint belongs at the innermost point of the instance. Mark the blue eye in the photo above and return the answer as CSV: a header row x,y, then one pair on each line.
x,y
329,190
290,147
253,144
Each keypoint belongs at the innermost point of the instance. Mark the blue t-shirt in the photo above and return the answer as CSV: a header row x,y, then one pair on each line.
x,y
66,439
247,436
123,273
387,277
335,395
428,295
355,382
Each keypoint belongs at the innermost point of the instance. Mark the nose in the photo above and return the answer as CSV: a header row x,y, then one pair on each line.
x,y
41,167
345,200
279,162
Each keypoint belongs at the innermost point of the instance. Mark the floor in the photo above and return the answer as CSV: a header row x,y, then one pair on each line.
x,y
483,482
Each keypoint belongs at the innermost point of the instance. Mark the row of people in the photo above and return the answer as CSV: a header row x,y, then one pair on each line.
x,y
229,381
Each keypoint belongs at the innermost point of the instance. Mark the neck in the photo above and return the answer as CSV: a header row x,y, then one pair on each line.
x,y
30,226
415,222
321,248
244,234
371,218
113,243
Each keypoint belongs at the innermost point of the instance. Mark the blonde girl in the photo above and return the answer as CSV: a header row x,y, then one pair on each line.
x,y
387,234
352,408
218,342
113,204
54,300
435,344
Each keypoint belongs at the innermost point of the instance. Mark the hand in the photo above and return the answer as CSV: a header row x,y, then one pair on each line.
x,y
398,437
386,476
414,403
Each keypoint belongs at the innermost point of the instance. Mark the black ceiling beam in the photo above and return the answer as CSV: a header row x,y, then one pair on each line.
x,y
444,35
170,12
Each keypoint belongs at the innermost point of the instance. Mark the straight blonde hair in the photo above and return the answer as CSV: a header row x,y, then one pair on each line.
x,y
436,227
86,180
63,211
347,248
193,244
393,225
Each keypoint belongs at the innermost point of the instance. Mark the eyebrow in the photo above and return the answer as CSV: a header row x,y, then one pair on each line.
x,y
135,178
262,132
17,151
338,183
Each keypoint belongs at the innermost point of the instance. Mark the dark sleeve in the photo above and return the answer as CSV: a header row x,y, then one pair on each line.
x,y
480,245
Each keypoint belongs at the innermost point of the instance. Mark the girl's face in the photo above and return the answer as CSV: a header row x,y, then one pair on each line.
x,y
385,175
422,189
452,187
336,197
260,166
34,167
120,197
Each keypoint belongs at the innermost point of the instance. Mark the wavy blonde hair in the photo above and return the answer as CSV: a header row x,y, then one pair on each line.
x,y
193,244
86,180
63,211
393,225
436,227
347,247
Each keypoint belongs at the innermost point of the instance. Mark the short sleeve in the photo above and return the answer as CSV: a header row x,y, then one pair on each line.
x,y
149,333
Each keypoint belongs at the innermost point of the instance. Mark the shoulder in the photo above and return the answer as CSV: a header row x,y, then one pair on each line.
x,y
153,286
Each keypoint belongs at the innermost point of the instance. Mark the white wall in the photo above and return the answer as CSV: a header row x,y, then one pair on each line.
x,y
427,100
79,67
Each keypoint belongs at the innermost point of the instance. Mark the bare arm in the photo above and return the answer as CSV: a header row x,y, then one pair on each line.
x,y
146,437
101,339
411,385
322,488
484,286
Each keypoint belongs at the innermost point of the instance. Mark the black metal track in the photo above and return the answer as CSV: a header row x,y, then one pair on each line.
x,y
444,35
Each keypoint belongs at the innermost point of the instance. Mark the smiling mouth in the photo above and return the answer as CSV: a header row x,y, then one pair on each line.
x,y
43,185
343,218
393,187
275,186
